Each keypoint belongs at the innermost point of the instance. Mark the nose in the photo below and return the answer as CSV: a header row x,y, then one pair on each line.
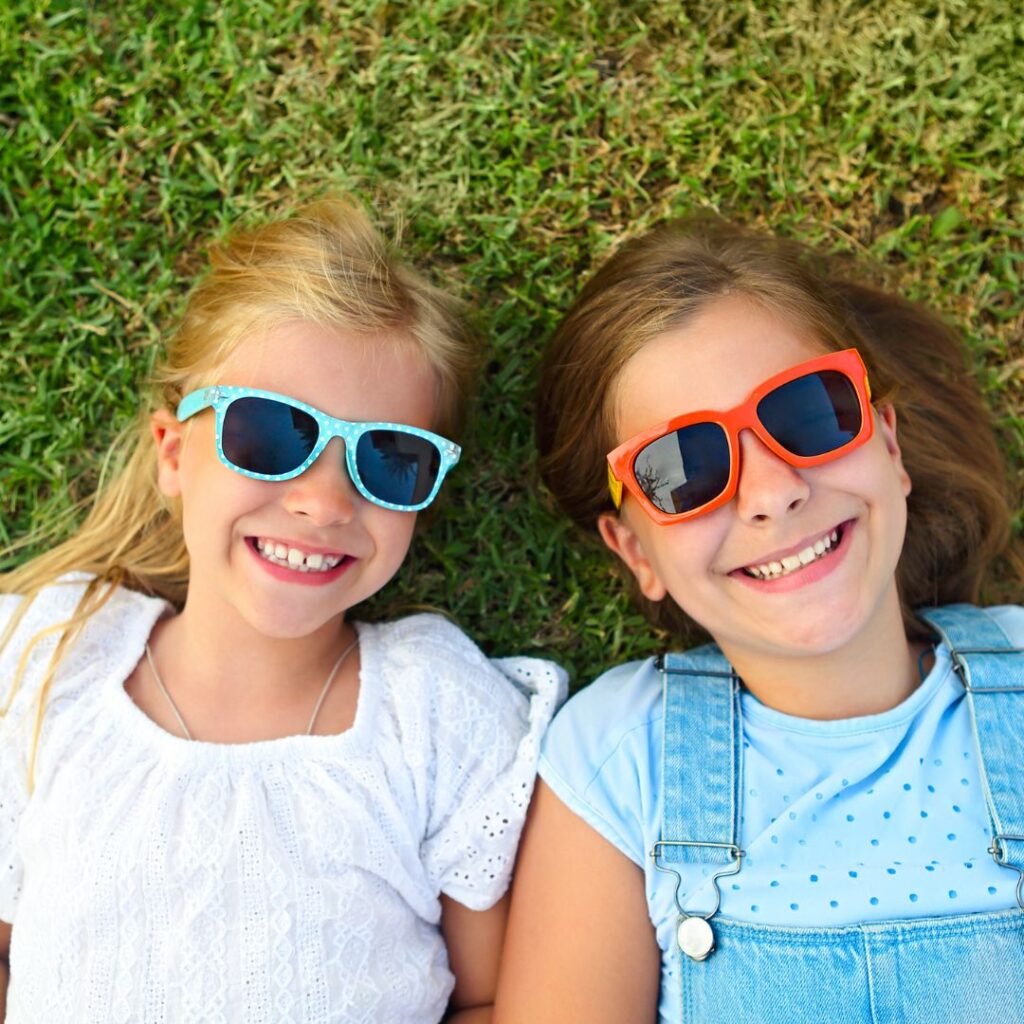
x,y
324,493
769,487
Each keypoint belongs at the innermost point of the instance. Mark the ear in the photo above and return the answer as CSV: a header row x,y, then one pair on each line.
x,y
887,428
168,435
621,538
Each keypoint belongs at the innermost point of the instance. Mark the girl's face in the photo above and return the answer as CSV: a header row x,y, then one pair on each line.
x,y
714,362
233,524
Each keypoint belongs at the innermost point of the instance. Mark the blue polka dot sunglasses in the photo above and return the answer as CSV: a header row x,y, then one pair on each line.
x,y
269,436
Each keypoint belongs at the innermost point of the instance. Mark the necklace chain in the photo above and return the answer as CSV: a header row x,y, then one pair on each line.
x,y
316,707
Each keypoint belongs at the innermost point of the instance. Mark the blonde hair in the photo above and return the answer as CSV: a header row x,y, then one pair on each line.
x,y
327,265
958,510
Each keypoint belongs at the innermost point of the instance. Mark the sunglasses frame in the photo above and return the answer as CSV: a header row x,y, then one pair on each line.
x,y
743,417
220,397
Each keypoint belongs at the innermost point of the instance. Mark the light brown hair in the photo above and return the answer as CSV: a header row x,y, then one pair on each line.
x,y
958,511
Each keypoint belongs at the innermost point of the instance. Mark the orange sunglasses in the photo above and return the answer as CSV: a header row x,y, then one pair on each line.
x,y
807,415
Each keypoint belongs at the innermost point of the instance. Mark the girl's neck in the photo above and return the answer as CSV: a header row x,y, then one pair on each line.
x,y
873,672
233,684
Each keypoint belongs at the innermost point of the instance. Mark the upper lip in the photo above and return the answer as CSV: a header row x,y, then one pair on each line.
x,y
780,553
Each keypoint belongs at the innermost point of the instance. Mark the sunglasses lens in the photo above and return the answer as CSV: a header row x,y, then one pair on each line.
x,y
397,467
268,437
812,415
684,470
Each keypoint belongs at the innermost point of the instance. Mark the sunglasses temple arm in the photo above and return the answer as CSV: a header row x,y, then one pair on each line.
x,y
196,401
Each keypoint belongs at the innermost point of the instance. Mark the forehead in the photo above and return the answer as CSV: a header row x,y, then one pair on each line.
x,y
713,362
349,374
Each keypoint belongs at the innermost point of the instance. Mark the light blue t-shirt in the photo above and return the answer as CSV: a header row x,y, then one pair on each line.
x,y
875,818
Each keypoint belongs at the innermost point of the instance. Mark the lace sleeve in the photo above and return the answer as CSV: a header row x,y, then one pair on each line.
x,y
18,703
492,720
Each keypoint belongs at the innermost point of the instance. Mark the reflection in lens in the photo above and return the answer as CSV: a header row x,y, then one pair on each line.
x,y
397,467
812,415
685,469
264,436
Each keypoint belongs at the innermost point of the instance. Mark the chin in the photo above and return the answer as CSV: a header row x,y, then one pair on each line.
x,y
278,621
828,628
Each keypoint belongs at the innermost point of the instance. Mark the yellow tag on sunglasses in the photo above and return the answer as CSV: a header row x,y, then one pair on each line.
x,y
614,488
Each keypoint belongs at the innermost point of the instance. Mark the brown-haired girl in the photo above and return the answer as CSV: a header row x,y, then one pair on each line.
x,y
818,816
220,797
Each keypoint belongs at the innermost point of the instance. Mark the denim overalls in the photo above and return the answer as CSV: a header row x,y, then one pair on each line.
x,y
937,970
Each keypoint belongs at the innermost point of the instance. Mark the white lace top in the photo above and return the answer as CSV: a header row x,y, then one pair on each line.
x,y
150,878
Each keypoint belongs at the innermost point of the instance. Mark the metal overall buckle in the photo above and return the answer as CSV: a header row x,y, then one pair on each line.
x,y
1000,855
694,933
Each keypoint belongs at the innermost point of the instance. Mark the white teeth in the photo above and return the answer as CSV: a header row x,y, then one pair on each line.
x,y
294,558
811,553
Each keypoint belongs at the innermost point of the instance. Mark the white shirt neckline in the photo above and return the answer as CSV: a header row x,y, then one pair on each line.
x,y
136,722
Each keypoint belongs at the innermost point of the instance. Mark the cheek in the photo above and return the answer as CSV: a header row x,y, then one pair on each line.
x,y
212,496
686,552
897,509
394,531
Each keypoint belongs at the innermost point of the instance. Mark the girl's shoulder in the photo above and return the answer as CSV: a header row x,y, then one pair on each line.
x,y
428,659
1009,618
624,700
35,628
601,755
428,637
58,602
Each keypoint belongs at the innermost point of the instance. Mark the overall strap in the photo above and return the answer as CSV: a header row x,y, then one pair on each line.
x,y
992,671
701,760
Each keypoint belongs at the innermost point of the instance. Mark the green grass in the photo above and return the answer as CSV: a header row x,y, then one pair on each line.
x,y
517,143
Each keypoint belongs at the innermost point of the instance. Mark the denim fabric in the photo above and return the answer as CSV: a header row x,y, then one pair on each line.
x,y
992,671
928,970
705,703
954,970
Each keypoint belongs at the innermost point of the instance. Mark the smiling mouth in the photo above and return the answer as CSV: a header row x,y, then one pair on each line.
x,y
821,548
294,558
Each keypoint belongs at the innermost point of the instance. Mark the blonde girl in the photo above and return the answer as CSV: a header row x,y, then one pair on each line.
x,y
818,816
222,797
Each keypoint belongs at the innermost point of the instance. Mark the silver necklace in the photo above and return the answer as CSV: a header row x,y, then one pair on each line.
x,y
312,718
